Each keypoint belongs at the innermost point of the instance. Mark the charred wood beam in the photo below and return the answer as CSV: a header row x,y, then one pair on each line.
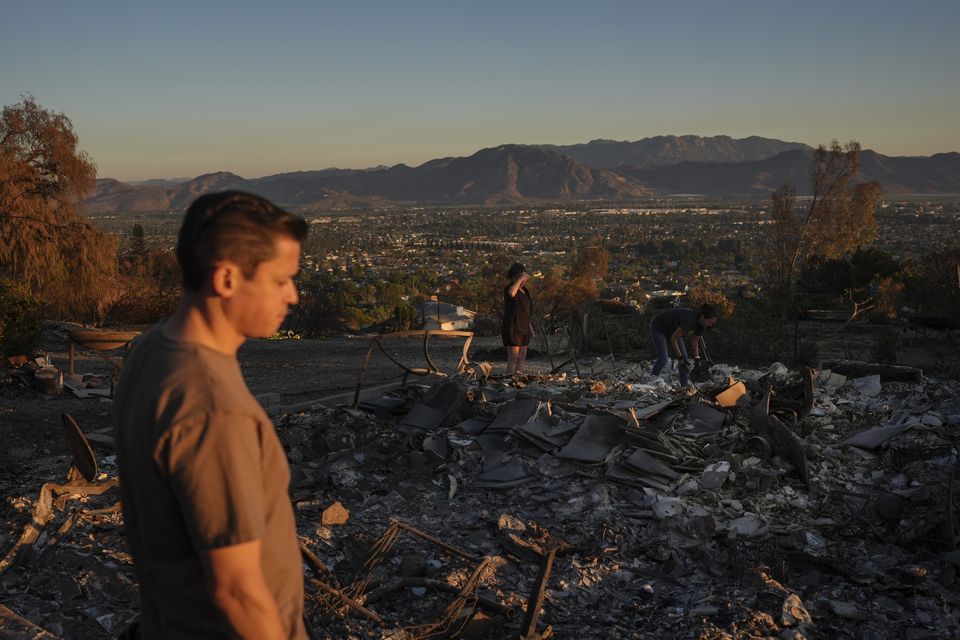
x,y
888,372
43,513
528,629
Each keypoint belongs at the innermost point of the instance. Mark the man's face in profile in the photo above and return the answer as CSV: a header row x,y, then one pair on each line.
x,y
260,303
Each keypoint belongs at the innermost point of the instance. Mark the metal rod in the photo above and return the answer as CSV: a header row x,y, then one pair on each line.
x,y
546,343
606,335
573,353
363,369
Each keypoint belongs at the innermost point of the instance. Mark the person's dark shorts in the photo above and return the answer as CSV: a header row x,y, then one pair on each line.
x,y
515,339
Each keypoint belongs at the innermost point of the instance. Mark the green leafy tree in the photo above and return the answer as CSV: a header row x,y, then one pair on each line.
x,y
20,319
45,241
839,218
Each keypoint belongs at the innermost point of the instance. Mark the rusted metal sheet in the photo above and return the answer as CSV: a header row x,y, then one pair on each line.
x,y
100,342
730,396
84,461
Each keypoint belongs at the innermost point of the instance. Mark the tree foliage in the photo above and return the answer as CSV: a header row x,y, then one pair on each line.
x,y
45,242
20,319
933,284
839,217
561,296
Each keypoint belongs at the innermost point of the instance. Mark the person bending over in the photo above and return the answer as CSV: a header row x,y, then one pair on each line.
x,y
668,331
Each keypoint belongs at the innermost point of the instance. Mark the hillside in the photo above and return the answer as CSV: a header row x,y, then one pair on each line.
x,y
505,174
511,174
669,150
897,175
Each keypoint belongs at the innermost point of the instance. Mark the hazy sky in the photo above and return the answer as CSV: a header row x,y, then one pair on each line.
x,y
176,89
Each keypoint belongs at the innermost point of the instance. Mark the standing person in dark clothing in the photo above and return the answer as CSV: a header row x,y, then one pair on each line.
x,y
517,318
203,476
669,329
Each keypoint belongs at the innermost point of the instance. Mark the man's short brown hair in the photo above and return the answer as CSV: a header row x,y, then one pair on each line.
x,y
235,226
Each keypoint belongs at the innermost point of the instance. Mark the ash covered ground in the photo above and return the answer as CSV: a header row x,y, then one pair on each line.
x,y
821,505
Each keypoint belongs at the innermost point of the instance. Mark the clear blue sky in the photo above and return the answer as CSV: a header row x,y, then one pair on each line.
x,y
176,89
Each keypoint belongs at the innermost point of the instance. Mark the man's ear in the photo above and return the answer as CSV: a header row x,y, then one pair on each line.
x,y
225,278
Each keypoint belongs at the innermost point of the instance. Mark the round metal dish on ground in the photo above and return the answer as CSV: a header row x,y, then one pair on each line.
x,y
83,458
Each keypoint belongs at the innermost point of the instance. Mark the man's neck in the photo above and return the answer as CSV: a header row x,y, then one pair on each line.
x,y
199,319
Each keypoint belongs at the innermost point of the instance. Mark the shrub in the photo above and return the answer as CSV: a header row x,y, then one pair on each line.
x,y
21,319
146,304
627,333
701,294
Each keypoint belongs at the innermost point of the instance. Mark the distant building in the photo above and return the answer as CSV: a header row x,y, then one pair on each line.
x,y
448,317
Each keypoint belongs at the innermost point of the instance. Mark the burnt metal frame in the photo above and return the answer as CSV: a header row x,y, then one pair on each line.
x,y
81,481
574,356
430,369
116,364
355,594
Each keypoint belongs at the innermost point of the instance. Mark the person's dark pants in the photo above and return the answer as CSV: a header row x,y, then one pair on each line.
x,y
662,344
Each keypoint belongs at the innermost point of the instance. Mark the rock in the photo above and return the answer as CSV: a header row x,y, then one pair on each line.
x,y
714,475
889,506
846,610
779,370
335,514
794,613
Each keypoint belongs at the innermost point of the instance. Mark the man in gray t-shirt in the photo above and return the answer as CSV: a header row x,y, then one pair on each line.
x,y
203,476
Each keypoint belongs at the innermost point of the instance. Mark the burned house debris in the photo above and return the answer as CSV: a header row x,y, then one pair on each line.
x,y
775,503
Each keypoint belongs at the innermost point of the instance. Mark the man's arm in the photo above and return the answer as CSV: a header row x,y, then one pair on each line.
x,y
239,591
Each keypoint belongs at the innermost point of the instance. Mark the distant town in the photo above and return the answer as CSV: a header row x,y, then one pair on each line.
x,y
379,258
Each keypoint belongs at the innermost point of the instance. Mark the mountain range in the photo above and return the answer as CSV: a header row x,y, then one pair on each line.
x,y
511,174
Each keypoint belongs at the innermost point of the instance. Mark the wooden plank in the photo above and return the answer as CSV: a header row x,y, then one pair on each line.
x,y
15,626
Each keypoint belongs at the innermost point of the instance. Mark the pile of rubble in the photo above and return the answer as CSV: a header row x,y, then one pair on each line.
x,y
762,504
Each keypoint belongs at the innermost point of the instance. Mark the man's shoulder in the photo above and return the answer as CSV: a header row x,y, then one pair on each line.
x,y
170,382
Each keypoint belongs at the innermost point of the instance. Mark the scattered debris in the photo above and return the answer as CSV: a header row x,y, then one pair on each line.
x,y
771,503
